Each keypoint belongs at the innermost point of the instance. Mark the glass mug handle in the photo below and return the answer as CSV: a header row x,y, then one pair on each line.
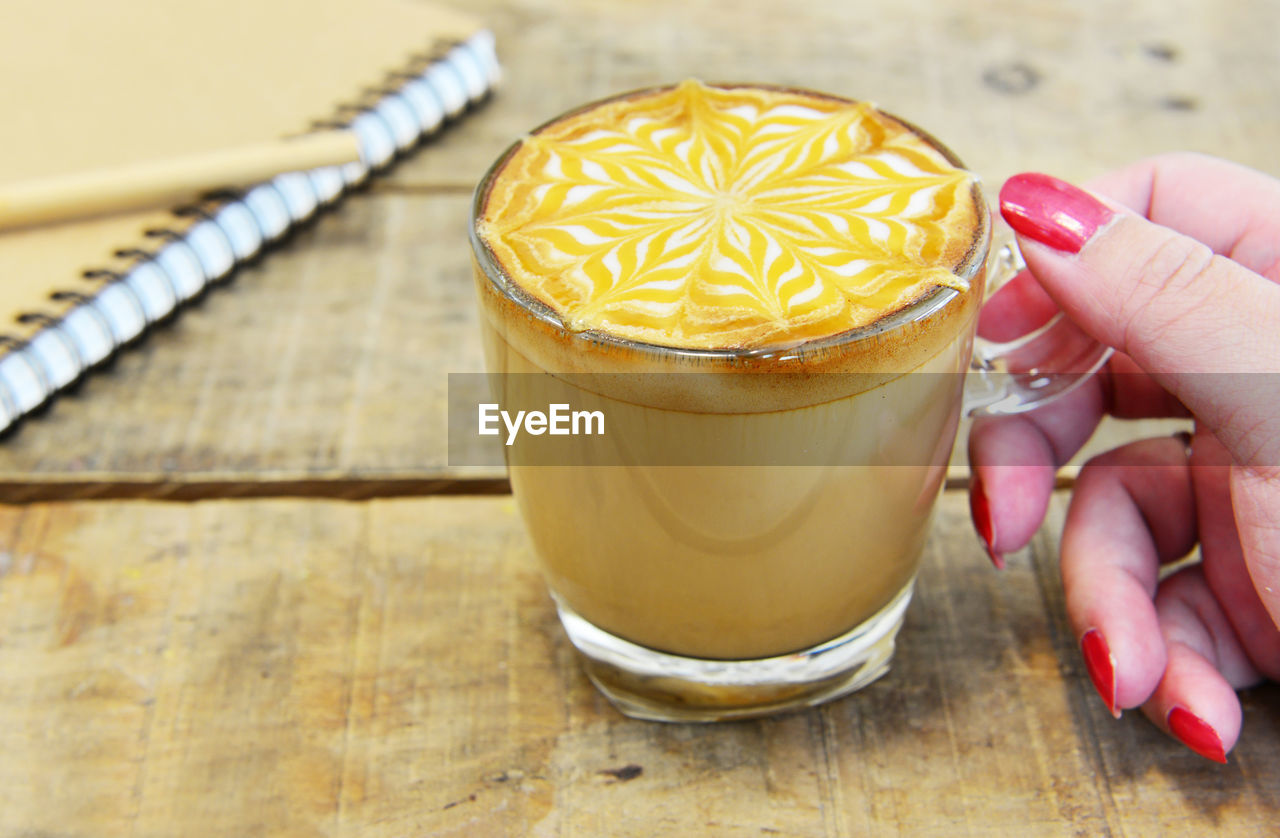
x,y
1024,373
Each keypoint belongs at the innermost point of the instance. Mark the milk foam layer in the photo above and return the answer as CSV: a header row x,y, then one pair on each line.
x,y
725,217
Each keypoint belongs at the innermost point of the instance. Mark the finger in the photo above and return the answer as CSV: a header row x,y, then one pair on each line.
x,y
1132,510
1195,700
1201,324
1013,469
1014,461
1130,393
1255,496
1225,570
1021,306
1229,207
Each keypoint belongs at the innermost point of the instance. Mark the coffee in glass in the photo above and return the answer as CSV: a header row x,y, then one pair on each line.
x,y
770,295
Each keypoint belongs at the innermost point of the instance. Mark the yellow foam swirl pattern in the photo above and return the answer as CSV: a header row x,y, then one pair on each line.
x,y
719,217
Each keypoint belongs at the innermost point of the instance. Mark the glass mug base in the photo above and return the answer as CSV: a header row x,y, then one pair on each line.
x,y
647,684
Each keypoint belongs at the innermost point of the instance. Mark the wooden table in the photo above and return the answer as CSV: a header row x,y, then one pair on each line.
x,y
242,592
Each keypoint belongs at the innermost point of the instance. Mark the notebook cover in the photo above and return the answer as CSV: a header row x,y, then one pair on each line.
x,y
90,84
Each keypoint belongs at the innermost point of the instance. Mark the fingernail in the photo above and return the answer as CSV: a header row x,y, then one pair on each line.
x,y
1196,734
1101,666
982,522
1052,211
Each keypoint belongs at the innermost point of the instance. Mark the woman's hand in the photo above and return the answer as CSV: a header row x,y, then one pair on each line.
x,y
1178,269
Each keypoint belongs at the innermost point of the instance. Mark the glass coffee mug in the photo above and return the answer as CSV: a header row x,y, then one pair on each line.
x,y
743,534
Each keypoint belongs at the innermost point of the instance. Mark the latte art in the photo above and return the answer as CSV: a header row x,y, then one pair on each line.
x,y
714,256
723,217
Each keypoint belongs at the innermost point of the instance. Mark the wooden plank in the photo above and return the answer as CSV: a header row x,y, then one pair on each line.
x,y
1073,89
393,667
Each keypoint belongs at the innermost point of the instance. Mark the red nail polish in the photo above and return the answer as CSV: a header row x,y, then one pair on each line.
x,y
1101,666
1052,211
982,522
1196,734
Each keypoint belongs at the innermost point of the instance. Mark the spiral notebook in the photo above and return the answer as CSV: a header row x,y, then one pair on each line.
x,y
88,85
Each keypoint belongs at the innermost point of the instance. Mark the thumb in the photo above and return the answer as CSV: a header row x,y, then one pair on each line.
x,y
1202,325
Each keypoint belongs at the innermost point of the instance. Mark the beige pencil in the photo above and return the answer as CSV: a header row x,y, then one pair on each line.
x,y
159,183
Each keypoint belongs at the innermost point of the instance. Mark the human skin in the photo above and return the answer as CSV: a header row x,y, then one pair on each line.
x,y
1175,262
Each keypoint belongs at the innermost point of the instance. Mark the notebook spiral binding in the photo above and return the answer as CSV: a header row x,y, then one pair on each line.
x,y
235,230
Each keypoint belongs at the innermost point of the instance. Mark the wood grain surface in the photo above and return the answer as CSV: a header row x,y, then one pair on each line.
x,y
394,667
